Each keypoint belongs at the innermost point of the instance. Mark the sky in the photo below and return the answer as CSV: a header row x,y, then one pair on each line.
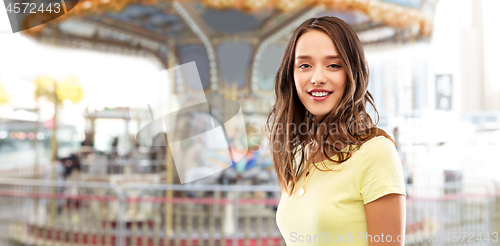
x,y
109,80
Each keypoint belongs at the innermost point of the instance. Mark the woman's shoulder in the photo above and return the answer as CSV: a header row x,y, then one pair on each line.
x,y
378,146
378,141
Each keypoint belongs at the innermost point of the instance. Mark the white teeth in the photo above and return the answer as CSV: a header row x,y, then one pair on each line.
x,y
319,94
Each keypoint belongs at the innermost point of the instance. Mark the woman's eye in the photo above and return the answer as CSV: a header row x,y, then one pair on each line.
x,y
304,66
334,65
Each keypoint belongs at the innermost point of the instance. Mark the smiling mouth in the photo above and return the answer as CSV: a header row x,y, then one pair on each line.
x,y
319,94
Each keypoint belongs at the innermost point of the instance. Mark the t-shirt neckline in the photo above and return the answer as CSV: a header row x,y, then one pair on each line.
x,y
331,157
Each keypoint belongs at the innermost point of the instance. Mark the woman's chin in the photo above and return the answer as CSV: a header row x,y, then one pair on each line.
x,y
319,115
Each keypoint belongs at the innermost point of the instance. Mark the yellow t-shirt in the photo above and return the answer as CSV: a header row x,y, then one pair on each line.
x,y
331,211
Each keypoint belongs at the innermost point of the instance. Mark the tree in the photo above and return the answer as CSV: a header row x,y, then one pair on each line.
x,y
4,97
56,92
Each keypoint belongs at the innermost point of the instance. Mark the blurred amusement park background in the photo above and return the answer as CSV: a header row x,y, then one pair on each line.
x,y
76,91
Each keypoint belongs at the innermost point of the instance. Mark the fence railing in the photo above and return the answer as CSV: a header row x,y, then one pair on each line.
x,y
453,214
42,212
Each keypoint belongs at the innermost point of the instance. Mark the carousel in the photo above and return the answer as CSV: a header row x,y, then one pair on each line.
x,y
236,44
213,32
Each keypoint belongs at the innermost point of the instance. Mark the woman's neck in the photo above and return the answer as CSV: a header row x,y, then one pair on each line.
x,y
328,146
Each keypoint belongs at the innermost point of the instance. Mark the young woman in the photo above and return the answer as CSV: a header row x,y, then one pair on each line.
x,y
341,177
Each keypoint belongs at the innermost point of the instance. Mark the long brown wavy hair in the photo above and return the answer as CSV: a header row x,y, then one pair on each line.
x,y
292,127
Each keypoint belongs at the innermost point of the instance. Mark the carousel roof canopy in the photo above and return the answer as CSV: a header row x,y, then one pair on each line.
x,y
214,32
162,19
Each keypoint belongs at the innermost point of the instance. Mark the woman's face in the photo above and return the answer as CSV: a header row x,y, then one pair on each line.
x,y
318,73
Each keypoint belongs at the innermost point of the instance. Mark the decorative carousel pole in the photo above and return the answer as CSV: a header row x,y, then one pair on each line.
x,y
57,92
169,161
234,91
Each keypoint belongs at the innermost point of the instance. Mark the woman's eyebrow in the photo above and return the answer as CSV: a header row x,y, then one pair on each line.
x,y
302,57
331,57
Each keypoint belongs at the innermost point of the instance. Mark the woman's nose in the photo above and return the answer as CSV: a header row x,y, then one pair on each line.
x,y
318,77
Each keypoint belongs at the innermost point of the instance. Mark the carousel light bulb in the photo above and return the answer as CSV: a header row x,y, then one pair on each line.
x,y
254,5
87,4
257,57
